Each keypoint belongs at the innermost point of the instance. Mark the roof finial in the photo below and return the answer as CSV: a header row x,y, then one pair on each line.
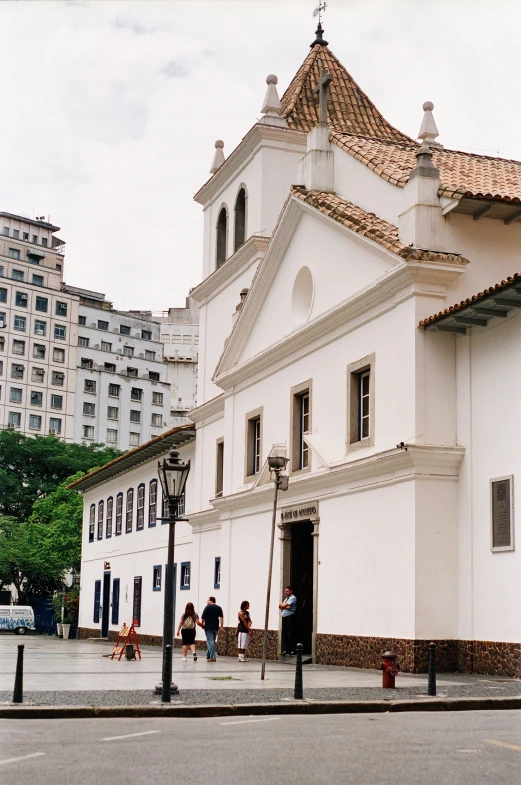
x,y
319,10
428,131
218,158
271,103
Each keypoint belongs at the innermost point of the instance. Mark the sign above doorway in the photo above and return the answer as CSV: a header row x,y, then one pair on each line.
x,y
307,511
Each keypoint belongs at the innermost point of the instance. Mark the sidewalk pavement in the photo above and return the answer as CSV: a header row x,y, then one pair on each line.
x,y
60,673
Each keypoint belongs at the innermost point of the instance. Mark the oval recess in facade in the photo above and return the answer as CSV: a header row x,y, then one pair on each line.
x,y
302,297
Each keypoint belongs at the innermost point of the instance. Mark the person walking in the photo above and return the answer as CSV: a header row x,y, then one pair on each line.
x,y
243,631
188,627
213,623
288,608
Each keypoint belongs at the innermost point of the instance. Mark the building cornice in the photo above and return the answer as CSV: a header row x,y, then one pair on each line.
x,y
256,136
388,467
205,520
209,411
252,250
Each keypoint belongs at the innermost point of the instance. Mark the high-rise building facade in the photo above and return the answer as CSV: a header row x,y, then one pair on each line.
x,y
38,330
180,338
122,396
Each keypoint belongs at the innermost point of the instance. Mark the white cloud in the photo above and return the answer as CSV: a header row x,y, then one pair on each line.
x,y
111,110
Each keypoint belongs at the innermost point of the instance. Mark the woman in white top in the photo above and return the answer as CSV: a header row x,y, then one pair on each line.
x,y
187,626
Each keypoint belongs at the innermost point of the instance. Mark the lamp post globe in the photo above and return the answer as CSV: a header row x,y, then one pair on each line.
x,y
173,475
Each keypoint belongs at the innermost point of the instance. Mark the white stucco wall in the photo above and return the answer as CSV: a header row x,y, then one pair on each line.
x,y
489,386
135,553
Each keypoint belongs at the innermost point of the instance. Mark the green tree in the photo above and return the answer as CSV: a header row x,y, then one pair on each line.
x,y
32,467
24,563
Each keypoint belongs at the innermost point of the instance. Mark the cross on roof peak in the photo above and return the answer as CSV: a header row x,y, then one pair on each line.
x,y
322,90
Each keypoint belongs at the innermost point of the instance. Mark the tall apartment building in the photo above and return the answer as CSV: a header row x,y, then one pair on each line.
x,y
180,339
122,397
38,330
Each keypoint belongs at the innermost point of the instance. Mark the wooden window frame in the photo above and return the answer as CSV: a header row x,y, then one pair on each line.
x,y
92,522
219,468
297,432
355,372
140,507
119,514
152,503
101,517
109,517
253,447
129,511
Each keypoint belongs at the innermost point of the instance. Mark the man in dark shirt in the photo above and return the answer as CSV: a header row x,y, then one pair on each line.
x,y
213,622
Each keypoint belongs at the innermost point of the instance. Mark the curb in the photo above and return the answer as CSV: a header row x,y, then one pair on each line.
x,y
248,709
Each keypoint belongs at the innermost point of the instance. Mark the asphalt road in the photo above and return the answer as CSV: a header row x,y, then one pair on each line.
x,y
409,749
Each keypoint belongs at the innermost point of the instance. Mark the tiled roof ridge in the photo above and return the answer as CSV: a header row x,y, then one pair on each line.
x,y
350,108
471,300
461,173
370,225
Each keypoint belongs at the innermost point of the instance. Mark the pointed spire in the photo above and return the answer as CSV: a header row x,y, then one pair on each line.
x,y
271,103
428,131
218,158
319,40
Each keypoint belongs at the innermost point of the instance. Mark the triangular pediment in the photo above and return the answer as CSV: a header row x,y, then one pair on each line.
x,y
318,258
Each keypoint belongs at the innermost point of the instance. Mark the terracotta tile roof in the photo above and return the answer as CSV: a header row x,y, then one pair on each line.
x,y
461,174
479,298
350,110
369,225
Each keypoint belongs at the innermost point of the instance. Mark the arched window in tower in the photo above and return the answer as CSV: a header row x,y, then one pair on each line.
x,y
240,219
222,231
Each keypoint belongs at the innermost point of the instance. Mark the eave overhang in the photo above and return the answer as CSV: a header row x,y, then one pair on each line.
x,y
176,437
491,305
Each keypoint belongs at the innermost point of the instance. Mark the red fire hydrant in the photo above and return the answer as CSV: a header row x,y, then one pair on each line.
x,y
390,669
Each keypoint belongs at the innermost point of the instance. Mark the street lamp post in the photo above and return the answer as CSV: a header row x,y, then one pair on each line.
x,y
172,475
276,464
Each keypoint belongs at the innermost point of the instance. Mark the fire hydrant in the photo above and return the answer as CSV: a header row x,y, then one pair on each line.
x,y
390,669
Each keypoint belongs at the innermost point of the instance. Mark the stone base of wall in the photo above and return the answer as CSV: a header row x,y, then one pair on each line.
x,y
363,652
485,657
226,642
491,658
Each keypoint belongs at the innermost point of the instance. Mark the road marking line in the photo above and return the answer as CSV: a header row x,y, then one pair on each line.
x,y
24,757
130,735
243,722
503,744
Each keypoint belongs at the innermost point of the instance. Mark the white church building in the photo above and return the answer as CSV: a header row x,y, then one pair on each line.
x,y
359,311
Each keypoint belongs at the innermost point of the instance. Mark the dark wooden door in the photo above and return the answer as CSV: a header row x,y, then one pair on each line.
x,y
105,605
302,581
115,601
136,605
97,601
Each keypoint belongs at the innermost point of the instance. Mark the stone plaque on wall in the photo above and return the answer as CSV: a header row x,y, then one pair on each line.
x,y
502,502
307,511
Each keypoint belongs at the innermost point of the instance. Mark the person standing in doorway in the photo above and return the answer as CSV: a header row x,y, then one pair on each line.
x,y
243,631
188,628
288,608
213,623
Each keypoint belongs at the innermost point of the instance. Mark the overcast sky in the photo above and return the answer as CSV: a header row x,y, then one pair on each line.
x,y
110,110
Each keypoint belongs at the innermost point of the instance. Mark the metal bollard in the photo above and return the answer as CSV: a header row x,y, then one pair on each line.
x,y
167,686
298,692
431,689
18,694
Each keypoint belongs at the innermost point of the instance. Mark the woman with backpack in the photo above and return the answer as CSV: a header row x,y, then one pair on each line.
x,y
187,626
243,631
